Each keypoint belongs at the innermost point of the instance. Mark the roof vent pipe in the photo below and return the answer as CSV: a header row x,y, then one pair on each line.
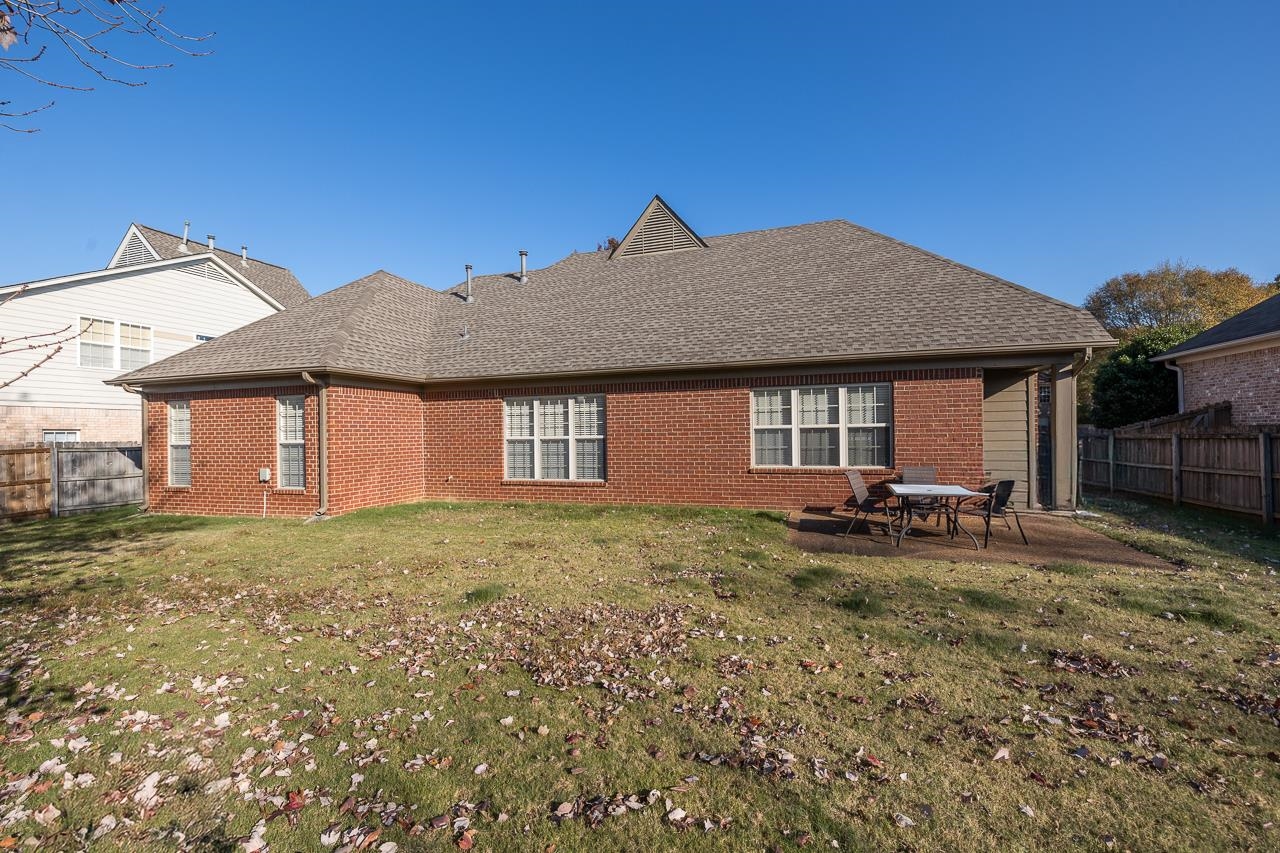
x,y
469,298
211,239
186,232
244,255
524,274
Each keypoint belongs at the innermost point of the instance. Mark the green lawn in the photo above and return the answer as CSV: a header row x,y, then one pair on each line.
x,y
529,677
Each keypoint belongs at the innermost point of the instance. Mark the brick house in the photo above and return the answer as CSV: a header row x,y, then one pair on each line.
x,y
1236,362
745,370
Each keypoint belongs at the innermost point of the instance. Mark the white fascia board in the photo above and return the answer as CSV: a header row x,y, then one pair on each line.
x,y
164,263
1225,348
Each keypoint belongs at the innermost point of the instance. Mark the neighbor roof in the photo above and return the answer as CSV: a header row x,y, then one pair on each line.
x,y
277,282
1261,320
826,291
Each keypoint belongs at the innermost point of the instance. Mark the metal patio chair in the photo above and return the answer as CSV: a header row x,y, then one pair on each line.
x,y
864,506
923,475
995,506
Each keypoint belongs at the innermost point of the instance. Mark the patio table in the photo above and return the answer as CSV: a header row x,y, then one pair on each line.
x,y
945,495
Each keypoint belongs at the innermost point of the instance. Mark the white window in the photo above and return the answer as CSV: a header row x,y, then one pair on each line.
x,y
135,346
180,443
290,437
60,435
555,438
838,426
97,342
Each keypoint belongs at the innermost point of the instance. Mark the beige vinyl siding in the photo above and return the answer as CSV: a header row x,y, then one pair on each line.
x,y
1007,442
174,305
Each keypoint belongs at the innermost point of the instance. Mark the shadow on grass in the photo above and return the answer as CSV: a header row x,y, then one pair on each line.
x,y
39,555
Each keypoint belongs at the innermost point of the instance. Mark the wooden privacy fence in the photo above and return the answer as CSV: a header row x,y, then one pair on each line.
x,y
1231,471
37,481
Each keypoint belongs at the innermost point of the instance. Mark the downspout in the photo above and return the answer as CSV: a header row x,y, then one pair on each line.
x,y
1076,366
146,482
1177,368
322,441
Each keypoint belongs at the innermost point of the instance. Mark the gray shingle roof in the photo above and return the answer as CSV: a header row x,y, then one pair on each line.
x,y
818,292
1261,319
278,283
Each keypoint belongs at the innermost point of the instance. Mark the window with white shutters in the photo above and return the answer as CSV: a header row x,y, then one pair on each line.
x,y
290,437
180,443
555,438
97,342
827,427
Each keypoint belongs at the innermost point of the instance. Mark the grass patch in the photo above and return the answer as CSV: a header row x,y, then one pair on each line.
x,y
484,594
816,577
578,652
865,603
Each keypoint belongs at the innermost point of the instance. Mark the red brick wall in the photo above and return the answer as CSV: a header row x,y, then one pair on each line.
x,y
689,442
1250,381
375,447
681,442
233,434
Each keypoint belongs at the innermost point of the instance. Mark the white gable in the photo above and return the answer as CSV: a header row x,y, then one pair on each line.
x,y
133,249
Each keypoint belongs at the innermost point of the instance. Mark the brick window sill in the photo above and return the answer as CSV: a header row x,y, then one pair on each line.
x,y
172,488
563,484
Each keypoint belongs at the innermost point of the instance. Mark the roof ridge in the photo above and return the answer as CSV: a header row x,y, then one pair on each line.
x,y
989,276
214,249
342,333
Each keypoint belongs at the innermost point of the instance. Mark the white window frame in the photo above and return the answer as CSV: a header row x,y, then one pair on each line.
x,y
45,433
115,342
843,426
301,442
171,444
572,438
120,347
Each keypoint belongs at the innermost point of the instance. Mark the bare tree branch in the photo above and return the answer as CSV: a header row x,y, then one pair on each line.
x,y
86,31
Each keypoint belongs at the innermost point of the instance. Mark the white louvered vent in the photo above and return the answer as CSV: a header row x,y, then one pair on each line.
x,y
208,269
658,230
135,252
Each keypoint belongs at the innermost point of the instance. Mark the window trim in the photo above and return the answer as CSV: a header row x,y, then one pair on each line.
x,y
843,426
151,344
115,344
281,443
170,444
572,438
80,342
44,435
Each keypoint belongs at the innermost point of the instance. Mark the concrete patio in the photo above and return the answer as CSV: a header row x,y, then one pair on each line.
x,y
1053,538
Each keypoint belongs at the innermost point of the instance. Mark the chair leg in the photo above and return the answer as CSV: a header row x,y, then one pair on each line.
x,y
1020,530
986,534
853,521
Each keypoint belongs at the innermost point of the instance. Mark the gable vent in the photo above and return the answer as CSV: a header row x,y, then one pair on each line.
x,y
135,252
207,270
659,229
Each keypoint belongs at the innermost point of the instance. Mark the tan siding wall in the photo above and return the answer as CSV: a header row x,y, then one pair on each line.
x,y
1006,445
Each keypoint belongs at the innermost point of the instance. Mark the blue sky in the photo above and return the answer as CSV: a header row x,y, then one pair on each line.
x,y
1052,144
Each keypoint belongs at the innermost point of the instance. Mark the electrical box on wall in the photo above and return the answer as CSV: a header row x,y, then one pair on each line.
x,y
264,475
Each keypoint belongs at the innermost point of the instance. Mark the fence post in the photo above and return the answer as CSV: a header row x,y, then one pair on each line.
x,y
53,480
1111,461
1266,470
1176,481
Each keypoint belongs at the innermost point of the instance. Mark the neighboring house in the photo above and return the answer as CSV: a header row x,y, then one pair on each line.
x,y
746,370
1236,362
159,295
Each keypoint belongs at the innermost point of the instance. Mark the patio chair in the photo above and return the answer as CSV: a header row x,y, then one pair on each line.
x,y
995,506
863,504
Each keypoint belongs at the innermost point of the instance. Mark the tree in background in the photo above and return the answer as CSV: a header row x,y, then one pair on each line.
x,y
1129,387
1173,294
85,33
1169,295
